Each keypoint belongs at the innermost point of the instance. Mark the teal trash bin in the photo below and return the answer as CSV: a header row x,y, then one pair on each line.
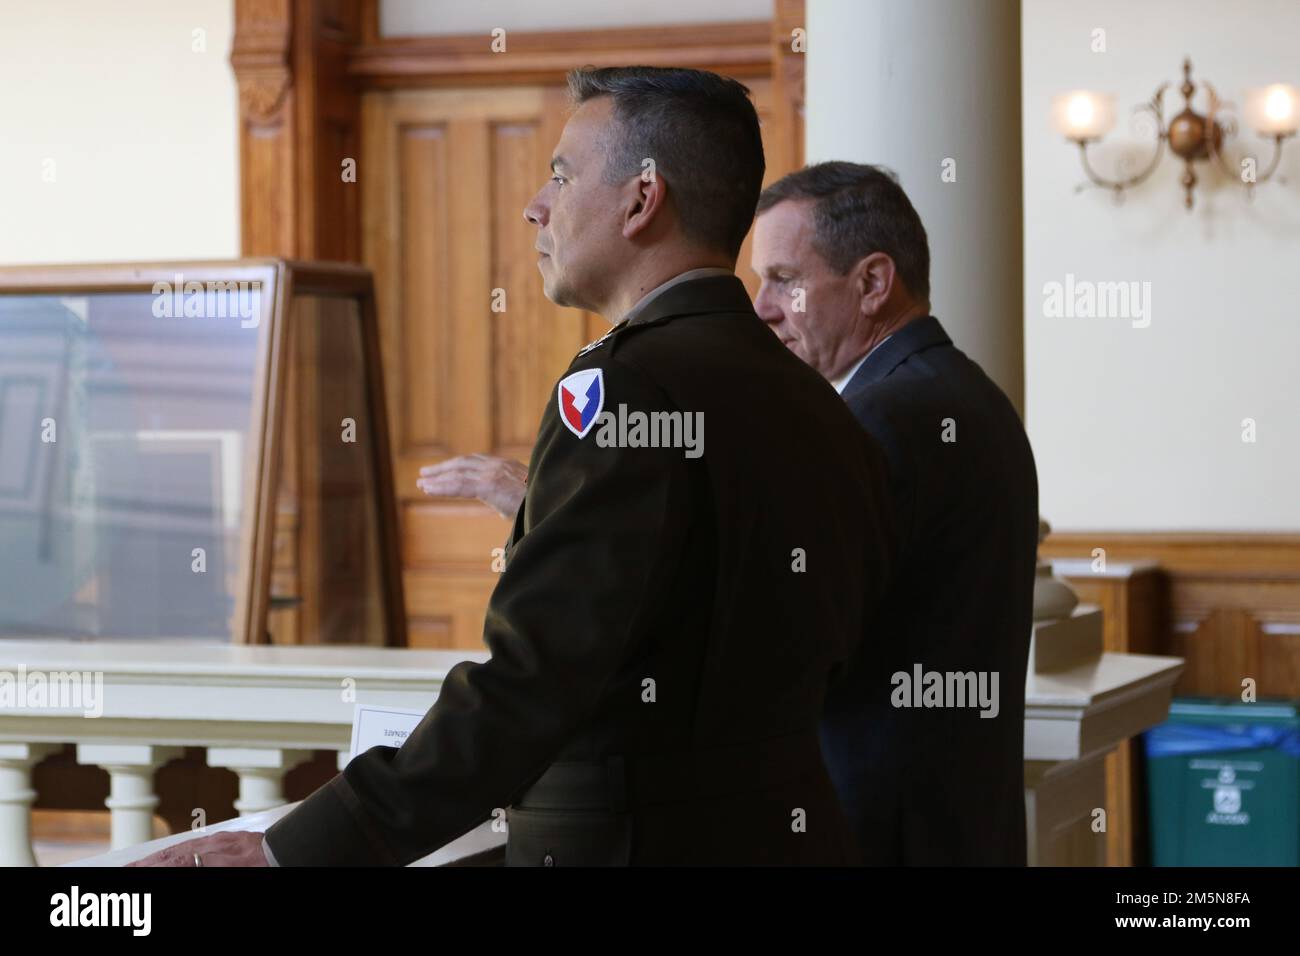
x,y
1224,784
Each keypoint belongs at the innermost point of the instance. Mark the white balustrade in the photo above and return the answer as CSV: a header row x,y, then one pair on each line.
x,y
16,796
131,799
261,771
129,707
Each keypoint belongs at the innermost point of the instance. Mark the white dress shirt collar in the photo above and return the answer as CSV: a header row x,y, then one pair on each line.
x,y
841,382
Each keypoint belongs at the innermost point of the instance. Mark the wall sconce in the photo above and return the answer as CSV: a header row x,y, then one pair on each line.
x,y
1084,117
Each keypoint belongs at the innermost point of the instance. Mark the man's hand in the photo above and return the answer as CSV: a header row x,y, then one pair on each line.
x,y
231,848
497,482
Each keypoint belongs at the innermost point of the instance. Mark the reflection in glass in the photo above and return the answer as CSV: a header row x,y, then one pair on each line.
x,y
123,438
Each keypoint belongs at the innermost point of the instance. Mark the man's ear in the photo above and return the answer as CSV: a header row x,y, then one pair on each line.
x,y
874,277
646,197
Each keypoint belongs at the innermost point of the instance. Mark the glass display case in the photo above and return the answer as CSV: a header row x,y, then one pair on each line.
x,y
177,438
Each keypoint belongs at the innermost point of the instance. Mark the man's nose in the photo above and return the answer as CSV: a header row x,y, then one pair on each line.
x,y
765,305
535,212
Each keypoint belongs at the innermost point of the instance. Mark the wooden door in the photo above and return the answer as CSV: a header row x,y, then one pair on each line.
x,y
448,173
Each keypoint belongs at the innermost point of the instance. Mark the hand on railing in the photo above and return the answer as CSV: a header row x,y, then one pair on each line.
x,y
235,848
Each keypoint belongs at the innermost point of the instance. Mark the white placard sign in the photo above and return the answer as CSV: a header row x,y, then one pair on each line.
x,y
381,727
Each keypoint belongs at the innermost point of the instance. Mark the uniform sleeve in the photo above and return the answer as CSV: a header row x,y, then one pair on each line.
x,y
604,530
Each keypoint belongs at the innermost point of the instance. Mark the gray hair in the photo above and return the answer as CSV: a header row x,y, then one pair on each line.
x,y
702,132
859,209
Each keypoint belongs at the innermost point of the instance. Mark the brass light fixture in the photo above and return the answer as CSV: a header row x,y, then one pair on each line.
x,y
1084,117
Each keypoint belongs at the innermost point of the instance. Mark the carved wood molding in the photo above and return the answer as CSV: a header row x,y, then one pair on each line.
x,y
261,57
738,49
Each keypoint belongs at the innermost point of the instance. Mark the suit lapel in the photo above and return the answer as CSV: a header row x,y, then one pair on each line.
x,y
917,336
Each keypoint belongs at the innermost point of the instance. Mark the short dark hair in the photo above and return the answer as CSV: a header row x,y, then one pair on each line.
x,y
702,132
859,209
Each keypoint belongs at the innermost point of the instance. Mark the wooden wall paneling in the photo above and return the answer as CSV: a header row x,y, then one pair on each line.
x,y
435,235
1221,649
1232,607
424,178
468,270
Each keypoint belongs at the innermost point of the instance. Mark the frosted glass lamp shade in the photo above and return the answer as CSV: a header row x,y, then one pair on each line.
x,y
1083,115
1274,110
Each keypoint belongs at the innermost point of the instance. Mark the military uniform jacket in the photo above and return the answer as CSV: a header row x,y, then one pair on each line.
x,y
666,626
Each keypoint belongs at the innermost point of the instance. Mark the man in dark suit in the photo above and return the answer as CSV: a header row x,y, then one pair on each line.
x,y
672,609
929,768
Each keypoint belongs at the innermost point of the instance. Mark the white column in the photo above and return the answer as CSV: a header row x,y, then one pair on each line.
x,y
131,798
16,796
911,84
261,773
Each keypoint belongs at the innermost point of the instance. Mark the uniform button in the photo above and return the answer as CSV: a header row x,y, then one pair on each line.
x,y
548,860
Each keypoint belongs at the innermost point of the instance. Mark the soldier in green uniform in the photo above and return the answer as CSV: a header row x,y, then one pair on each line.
x,y
703,536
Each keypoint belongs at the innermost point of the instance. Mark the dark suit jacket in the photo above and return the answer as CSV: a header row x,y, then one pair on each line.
x,y
941,785
735,582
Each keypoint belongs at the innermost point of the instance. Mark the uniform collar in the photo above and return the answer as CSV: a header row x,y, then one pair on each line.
x,y
696,292
916,336
644,302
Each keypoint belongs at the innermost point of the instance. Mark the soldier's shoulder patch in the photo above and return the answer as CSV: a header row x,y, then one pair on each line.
x,y
581,397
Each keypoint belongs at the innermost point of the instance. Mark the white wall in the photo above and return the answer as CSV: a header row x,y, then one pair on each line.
x,y
1141,428
921,88
407,17
141,131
